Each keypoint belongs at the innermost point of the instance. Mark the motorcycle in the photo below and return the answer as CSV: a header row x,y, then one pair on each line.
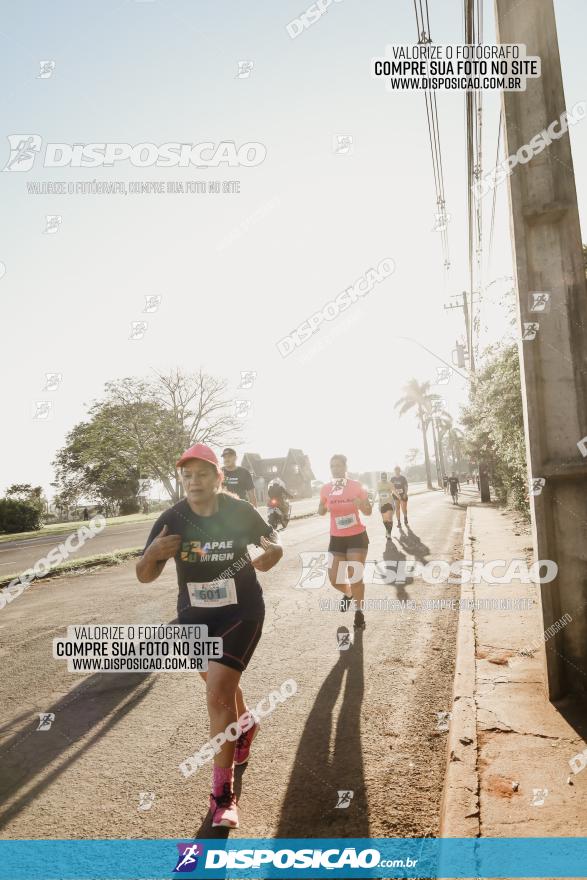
x,y
277,518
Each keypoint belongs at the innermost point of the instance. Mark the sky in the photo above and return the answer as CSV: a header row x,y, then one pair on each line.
x,y
238,271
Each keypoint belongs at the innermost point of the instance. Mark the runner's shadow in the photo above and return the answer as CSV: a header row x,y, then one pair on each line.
x,y
394,554
312,804
30,752
412,544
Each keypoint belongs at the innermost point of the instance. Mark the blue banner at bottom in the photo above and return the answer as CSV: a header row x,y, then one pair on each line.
x,y
292,858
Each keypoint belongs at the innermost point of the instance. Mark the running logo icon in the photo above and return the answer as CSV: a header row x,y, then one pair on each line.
x,y
539,795
23,150
441,221
52,223
344,800
146,799
188,857
530,331
342,144
537,485
53,381
244,69
138,329
443,375
46,719
343,638
442,721
314,570
152,303
241,408
247,379
42,410
47,68
539,301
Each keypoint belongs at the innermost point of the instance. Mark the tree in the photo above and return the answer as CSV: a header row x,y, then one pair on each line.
x,y
137,433
451,437
95,462
18,515
417,396
26,492
190,408
412,456
455,439
494,425
66,499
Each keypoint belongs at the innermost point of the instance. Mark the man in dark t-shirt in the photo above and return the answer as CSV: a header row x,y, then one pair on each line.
x,y
454,485
400,490
237,479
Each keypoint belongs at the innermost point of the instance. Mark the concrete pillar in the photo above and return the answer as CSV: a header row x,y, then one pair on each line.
x,y
548,258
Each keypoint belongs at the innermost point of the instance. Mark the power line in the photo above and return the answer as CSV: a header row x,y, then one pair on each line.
x,y
423,29
494,195
473,20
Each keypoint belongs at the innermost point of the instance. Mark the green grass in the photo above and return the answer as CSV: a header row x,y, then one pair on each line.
x,y
63,528
79,565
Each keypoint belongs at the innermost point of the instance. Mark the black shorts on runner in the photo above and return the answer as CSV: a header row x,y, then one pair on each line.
x,y
385,507
340,544
239,638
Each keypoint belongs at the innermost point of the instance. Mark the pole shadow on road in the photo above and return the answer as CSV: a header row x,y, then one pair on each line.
x,y
320,775
29,753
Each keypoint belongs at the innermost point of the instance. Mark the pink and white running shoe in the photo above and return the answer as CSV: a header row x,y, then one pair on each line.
x,y
243,744
224,809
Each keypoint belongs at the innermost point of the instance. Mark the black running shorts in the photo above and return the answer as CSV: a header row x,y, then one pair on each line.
x,y
339,544
239,638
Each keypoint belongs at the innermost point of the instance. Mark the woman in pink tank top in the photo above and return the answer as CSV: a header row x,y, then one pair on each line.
x,y
345,500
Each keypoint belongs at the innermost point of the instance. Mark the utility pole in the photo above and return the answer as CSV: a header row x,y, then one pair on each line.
x,y
553,354
465,307
483,472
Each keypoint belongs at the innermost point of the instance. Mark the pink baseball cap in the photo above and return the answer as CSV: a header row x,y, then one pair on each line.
x,y
203,453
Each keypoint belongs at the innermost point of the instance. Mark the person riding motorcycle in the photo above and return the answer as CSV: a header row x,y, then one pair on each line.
x,y
278,491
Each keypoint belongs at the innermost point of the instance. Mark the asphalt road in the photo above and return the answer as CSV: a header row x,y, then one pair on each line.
x,y
363,720
16,556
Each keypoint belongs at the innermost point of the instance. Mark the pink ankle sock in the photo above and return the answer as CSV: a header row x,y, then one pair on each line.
x,y
220,777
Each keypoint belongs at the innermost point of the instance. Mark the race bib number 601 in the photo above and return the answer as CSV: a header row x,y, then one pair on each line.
x,y
215,594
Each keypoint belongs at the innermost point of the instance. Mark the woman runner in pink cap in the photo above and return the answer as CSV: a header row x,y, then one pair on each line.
x,y
207,534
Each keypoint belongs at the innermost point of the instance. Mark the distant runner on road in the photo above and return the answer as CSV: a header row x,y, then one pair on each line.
x,y
386,503
400,490
207,534
238,479
345,499
454,486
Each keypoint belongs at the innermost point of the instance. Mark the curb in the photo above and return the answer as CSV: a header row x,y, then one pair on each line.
x,y
115,557
459,808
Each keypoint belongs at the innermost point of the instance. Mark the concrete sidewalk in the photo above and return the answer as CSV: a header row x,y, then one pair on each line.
x,y
514,759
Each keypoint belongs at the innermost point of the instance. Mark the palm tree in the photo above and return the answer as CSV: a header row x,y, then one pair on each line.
x,y
412,456
417,396
444,424
454,438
